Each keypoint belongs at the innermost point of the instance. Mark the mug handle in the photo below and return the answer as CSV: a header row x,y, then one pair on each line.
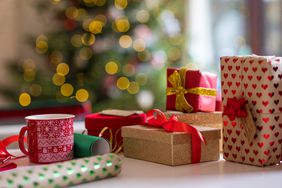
x,y
21,140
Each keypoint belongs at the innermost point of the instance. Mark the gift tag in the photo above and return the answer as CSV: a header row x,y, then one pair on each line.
x,y
123,113
249,124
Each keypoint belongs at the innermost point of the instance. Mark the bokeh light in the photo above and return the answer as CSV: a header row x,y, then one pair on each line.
x,y
56,57
88,39
100,2
144,56
71,12
66,90
41,44
141,78
35,90
24,99
128,69
111,67
142,16
123,83
82,95
76,40
85,53
58,79
174,54
29,75
121,25
55,2
125,41
120,4
139,45
28,64
63,69
133,88
95,26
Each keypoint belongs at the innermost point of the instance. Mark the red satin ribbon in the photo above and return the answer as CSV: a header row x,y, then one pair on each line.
x,y
156,118
4,154
235,108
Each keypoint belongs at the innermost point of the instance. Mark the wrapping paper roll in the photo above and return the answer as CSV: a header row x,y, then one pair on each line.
x,y
87,146
65,173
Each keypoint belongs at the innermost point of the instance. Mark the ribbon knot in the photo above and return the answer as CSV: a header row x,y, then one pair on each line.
x,y
156,118
235,108
177,81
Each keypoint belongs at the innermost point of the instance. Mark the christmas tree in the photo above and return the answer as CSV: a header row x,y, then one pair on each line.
x,y
111,52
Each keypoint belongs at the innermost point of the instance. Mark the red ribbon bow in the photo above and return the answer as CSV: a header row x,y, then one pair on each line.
x,y
5,156
156,118
235,108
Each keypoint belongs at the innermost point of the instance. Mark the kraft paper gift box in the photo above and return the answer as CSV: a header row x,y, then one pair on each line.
x,y
190,90
257,80
211,119
156,145
108,124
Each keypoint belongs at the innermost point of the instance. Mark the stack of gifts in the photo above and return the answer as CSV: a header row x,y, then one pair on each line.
x,y
252,118
183,134
175,137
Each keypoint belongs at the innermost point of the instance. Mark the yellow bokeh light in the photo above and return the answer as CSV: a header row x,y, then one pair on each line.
x,y
125,41
66,89
128,69
100,2
76,40
82,14
142,16
28,64
85,53
35,90
58,79
41,44
71,12
111,67
102,18
88,39
55,2
29,75
82,95
122,24
120,4
63,69
56,57
24,99
133,88
123,83
96,26
141,78
139,45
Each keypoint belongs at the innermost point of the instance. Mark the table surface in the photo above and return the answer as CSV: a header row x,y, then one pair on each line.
x,y
137,173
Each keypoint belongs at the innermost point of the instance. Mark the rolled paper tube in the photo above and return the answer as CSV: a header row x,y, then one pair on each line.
x,y
86,146
64,174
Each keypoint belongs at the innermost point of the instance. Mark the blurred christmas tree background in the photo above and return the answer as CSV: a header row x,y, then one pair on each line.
x,y
113,53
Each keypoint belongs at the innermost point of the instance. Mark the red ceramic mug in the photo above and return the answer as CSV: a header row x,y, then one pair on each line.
x,y
49,138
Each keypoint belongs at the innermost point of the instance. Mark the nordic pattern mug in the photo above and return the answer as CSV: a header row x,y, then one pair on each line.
x,y
49,138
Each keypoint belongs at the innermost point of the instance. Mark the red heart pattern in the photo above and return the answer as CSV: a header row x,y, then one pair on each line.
x,y
257,79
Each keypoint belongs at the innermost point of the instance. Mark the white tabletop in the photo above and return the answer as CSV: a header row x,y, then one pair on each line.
x,y
220,174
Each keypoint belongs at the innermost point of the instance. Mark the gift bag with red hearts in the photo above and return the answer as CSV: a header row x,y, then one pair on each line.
x,y
252,109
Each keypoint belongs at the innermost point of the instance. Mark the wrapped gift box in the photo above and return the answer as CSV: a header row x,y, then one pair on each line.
x,y
257,80
212,119
156,145
109,126
190,90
